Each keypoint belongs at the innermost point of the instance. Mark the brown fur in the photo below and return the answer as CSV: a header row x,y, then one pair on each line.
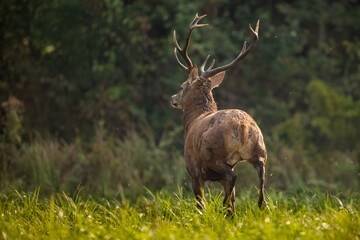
x,y
215,141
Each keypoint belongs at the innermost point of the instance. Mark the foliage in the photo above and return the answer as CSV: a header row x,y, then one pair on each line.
x,y
161,216
106,166
334,115
75,64
11,131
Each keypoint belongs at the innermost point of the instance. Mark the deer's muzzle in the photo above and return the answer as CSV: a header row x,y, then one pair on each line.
x,y
175,101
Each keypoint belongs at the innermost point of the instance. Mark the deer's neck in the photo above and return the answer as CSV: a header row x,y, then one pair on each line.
x,y
199,101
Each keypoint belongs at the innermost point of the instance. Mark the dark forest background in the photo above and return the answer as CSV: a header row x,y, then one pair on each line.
x,y
85,87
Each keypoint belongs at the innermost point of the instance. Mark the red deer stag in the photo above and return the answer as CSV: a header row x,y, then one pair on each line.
x,y
216,140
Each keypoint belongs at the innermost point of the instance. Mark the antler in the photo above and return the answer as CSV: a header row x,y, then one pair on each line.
x,y
183,51
211,72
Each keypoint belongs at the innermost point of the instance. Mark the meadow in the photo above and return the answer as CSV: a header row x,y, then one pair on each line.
x,y
91,149
175,216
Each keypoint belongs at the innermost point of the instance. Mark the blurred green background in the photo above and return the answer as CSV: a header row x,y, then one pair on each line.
x,y
85,87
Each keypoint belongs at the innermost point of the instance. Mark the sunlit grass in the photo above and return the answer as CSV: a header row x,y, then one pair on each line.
x,y
164,216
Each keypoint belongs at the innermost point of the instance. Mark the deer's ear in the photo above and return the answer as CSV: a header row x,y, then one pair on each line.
x,y
193,75
217,79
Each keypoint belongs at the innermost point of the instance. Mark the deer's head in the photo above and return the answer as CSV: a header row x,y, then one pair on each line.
x,y
214,76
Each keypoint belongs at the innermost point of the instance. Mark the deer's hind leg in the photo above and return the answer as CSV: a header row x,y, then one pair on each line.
x,y
260,168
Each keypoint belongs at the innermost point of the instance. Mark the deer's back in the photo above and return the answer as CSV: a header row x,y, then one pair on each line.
x,y
227,135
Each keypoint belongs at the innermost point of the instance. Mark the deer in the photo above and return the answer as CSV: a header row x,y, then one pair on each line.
x,y
215,141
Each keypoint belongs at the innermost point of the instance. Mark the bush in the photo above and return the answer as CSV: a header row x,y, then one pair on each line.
x,y
106,165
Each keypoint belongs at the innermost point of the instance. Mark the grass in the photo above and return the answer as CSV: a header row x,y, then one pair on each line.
x,y
174,216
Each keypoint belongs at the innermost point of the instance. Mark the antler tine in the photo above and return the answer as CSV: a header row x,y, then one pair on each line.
x,y
175,41
242,54
178,61
183,51
211,65
255,33
177,47
243,48
194,23
202,69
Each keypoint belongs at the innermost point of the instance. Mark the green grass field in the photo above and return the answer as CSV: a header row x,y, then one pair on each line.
x,y
174,216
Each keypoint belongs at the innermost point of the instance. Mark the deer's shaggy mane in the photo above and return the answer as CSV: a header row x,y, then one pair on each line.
x,y
198,101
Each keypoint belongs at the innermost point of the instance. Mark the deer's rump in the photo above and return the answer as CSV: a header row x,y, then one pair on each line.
x,y
227,135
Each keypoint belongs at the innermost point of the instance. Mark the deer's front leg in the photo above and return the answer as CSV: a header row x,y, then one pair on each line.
x,y
198,188
228,183
197,181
